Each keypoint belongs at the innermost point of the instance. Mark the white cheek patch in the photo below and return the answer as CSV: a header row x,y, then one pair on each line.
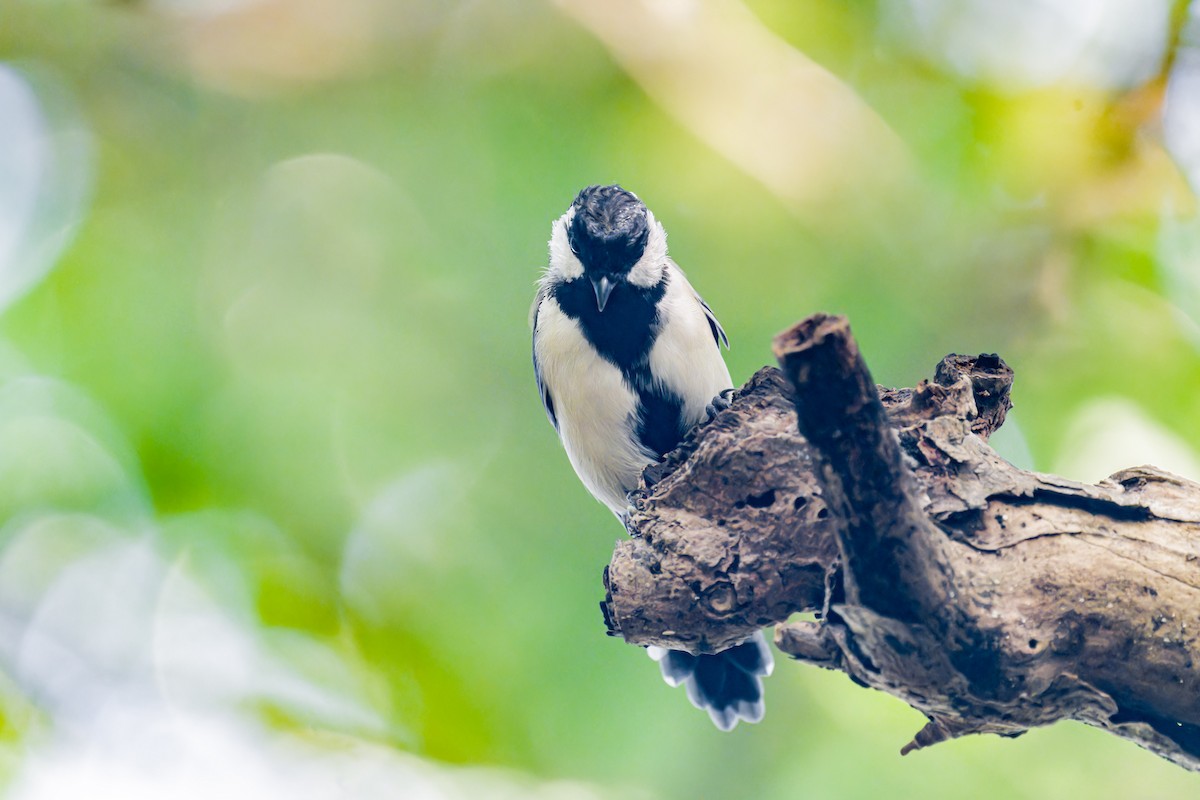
x,y
563,261
648,270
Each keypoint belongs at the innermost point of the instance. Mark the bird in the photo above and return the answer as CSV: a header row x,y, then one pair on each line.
x,y
627,360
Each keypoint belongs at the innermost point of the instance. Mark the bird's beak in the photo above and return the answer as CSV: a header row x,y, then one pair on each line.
x,y
603,287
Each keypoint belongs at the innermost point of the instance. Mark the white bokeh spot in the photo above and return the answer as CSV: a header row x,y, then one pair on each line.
x,y
45,171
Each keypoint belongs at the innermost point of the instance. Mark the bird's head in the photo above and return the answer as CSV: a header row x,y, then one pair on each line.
x,y
609,238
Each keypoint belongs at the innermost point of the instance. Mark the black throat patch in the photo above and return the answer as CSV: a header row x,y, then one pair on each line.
x,y
625,331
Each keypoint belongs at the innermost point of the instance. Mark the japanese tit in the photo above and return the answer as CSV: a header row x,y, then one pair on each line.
x,y
627,360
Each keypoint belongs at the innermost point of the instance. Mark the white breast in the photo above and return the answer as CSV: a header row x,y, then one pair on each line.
x,y
596,409
685,359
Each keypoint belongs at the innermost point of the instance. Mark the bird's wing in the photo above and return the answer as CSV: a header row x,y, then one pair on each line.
x,y
543,389
717,331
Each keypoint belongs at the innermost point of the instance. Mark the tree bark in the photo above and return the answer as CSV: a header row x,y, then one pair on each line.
x,y
989,598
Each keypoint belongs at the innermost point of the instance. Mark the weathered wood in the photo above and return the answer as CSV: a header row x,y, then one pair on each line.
x,y
733,534
989,598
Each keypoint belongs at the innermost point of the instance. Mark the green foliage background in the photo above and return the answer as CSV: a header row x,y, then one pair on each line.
x,y
288,345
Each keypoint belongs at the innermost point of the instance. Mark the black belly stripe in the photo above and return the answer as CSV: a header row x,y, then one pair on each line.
x,y
624,334
660,426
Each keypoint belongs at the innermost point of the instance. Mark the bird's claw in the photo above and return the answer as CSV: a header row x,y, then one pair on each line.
x,y
631,507
719,403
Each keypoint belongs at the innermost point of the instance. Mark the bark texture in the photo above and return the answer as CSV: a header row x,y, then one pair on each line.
x,y
989,598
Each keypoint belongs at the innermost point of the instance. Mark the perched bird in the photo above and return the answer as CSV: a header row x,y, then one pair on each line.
x,y
627,359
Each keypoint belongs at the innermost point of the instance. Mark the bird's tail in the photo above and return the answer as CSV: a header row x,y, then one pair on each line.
x,y
728,684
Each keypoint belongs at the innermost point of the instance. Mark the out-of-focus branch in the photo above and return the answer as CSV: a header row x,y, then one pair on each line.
x,y
778,115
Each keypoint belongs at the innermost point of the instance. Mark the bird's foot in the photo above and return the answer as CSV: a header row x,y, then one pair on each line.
x,y
631,507
719,403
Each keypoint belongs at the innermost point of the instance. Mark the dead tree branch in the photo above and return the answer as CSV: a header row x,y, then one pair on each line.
x,y
989,598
